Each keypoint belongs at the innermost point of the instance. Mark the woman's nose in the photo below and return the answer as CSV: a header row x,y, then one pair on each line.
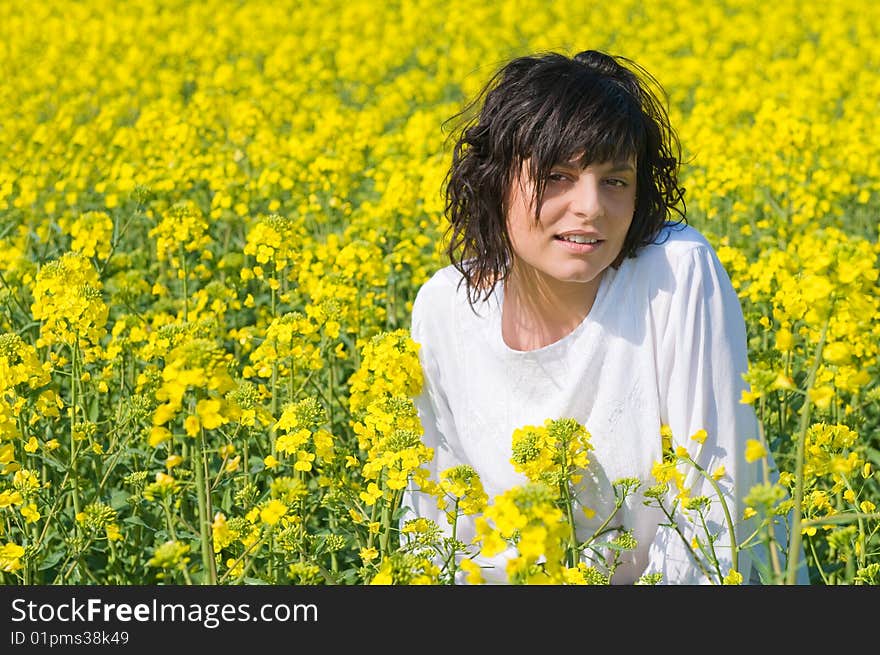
x,y
586,199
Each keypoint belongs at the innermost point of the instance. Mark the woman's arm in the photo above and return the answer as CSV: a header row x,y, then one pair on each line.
x,y
433,409
703,357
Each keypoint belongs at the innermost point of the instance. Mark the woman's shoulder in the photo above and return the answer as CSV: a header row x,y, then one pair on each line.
x,y
441,283
443,278
677,245
435,294
679,238
677,259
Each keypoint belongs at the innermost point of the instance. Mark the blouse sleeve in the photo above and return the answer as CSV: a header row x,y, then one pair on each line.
x,y
436,419
702,360
430,316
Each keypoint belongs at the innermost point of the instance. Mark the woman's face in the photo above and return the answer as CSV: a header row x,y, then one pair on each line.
x,y
585,216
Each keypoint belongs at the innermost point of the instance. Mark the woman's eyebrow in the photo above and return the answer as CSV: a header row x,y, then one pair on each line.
x,y
616,166
622,167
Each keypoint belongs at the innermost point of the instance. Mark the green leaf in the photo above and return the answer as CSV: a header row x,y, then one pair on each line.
x,y
56,464
135,520
51,560
119,498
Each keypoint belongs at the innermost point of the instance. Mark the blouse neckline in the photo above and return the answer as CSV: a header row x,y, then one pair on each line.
x,y
496,339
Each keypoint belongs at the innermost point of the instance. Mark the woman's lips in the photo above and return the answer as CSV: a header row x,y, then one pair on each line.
x,y
580,248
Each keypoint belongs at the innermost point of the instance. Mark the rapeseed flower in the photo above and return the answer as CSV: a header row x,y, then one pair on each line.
x,y
194,364
182,229
527,518
92,234
272,512
755,450
69,303
169,555
10,557
462,492
473,571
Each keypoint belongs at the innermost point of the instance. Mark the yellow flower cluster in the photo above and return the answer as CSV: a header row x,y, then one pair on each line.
x,y
824,281
68,301
10,557
164,486
169,555
20,496
303,438
290,346
553,453
21,371
199,366
395,455
389,367
102,519
460,491
345,281
182,229
676,467
387,428
834,463
406,569
527,518
92,234
831,450
274,242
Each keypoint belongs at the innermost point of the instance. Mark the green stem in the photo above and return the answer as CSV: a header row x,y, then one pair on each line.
x,y
687,544
14,296
712,554
771,542
169,522
74,374
618,503
841,519
185,284
734,547
571,552
386,527
794,546
291,386
452,560
334,560
332,386
205,532
572,549
258,542
819,568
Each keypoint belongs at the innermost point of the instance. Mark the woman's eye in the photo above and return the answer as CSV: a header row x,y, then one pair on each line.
x,y
616,182
557,177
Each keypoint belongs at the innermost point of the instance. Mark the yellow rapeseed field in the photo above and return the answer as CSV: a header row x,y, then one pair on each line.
x,y
214,217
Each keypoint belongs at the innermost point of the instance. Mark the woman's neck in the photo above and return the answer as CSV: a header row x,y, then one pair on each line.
x,y
537,312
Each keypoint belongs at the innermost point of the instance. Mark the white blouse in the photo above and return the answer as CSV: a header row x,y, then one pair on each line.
x,y
664,343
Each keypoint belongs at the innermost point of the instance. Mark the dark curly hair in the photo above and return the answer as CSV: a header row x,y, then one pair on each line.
x,y
544,109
